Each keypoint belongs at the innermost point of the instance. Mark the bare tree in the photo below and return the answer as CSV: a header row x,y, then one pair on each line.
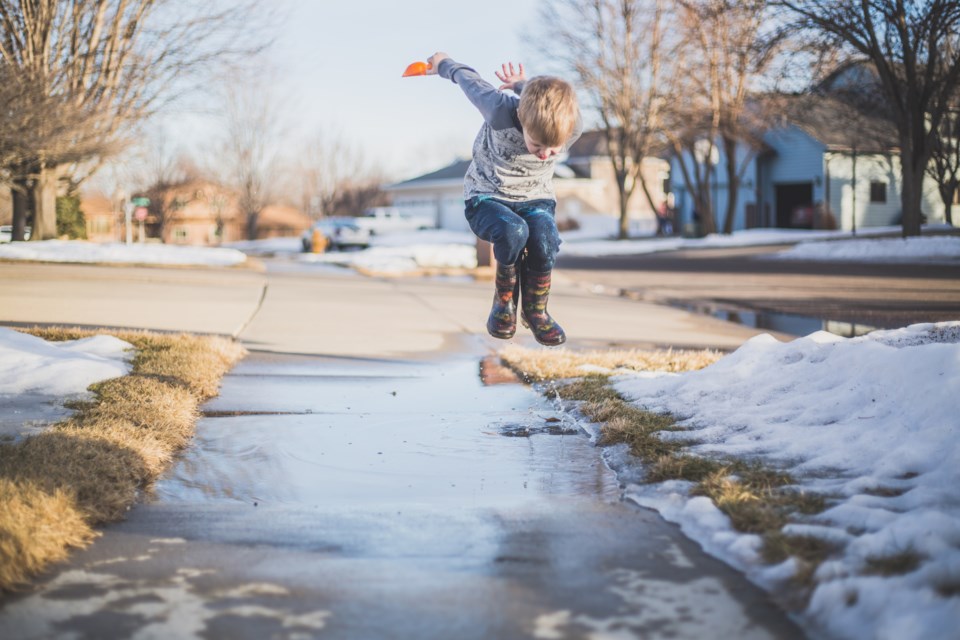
x,y
99,66
252,137
912,45
728,48
616,48
945,161
328,167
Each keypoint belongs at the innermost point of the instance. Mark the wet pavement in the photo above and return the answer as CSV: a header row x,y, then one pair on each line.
x,y
350,497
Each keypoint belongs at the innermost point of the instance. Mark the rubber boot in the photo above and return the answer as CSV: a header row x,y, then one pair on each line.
x,y
502,322
535,290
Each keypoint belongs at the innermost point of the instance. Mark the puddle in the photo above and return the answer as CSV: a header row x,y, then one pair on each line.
x,y
553,427
492,371
359,433
29,414
793,324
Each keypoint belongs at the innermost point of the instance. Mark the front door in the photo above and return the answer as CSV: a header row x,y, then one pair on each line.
x,y
795,205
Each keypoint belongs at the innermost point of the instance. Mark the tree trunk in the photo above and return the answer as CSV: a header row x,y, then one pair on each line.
x,y
252,224
911,196
21,211
45,205
948,212
733,183
624,228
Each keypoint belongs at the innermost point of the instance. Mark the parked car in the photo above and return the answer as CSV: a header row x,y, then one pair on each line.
x,y
381,220
341,233
6,233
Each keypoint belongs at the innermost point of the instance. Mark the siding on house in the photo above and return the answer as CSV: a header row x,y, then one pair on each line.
x,y
873,168
584,186
794,157
719,189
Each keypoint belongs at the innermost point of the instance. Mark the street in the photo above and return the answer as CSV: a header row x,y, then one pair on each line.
x,y
746,280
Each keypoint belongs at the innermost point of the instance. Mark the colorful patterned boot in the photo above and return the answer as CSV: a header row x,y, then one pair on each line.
x,y
535,287
502,322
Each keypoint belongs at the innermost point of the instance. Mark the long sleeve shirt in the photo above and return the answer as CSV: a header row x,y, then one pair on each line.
x,y
502,167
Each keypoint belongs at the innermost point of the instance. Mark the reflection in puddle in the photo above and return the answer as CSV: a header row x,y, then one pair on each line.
x,y
492,372
435,437
794,324
557,428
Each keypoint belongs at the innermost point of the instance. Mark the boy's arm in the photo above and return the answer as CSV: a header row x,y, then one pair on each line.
x,y
496,107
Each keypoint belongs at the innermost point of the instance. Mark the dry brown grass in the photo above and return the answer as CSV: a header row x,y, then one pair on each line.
x,y
756,498
38,528
90,468
538,365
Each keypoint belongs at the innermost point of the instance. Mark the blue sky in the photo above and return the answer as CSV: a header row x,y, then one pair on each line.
x,y
342,62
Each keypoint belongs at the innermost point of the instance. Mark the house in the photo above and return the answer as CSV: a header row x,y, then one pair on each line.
x,y
104,218
202,212
826,163
583,180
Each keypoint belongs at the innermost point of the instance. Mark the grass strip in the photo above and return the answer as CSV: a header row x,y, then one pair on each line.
x,y
756,498
87,470
541,365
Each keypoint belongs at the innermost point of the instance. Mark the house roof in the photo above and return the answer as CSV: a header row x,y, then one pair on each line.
x,y
454,171
840,125
96,204
590,143
283,216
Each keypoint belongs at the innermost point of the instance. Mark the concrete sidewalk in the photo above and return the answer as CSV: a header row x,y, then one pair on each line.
x,y
330,312
357,479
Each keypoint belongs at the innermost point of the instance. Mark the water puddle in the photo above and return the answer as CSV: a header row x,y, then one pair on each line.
x,y
793,324
361,433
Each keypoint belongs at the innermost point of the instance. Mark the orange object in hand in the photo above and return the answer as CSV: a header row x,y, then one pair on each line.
x,y
416,69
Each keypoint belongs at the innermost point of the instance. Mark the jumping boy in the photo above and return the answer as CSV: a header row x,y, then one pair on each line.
x,y
508,188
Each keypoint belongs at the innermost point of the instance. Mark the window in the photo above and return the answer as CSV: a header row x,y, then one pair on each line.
x,y
956,195
878,192
98,225
180,234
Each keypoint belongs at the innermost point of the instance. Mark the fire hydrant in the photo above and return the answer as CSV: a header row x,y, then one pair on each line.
x,y
318,241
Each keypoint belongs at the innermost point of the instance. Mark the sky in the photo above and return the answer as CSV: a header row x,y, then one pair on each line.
x,y
341,63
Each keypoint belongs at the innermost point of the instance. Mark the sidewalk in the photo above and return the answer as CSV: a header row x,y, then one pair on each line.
x,y
355,479
331,314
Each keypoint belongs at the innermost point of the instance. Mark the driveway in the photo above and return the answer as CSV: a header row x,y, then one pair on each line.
x,y
746,282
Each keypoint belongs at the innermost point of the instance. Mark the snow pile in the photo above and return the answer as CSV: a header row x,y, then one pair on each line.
x,y
871,422
402,259
31,365
924,249
91,252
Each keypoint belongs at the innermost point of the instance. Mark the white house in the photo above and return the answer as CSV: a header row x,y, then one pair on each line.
x,y
824,166
583,181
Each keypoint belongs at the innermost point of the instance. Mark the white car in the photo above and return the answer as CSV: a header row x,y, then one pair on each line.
x,y
6,233
341,233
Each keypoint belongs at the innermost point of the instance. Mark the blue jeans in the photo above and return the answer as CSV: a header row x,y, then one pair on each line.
x,y
512,227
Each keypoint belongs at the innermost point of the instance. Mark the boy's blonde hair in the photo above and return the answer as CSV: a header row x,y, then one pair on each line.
x,y
548,110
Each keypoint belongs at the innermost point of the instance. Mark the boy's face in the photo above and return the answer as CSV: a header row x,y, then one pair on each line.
x,y
542,151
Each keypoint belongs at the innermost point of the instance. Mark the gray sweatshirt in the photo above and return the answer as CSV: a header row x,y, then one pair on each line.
x,y
502,166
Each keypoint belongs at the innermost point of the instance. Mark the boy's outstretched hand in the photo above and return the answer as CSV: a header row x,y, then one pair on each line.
x,y
433,62
510,77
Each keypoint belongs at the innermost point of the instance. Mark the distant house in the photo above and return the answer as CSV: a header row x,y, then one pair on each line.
x,y
583,181
202,212
104,218
826,164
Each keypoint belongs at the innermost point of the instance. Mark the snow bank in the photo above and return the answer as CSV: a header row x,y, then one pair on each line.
x,y
871,422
